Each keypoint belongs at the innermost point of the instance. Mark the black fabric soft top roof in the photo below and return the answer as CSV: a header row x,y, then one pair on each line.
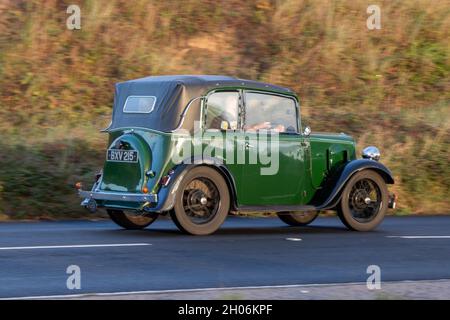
x,y
172,94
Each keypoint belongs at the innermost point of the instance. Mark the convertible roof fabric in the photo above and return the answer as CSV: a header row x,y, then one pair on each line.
x,y
173,93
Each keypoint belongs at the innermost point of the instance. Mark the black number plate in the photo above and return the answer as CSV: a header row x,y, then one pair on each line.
x,y
122,155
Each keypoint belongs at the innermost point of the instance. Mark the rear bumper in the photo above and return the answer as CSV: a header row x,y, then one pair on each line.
x,y
118,196
90,198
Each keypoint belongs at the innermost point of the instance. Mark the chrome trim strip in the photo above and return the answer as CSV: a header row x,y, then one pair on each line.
x,y
183,114
118,196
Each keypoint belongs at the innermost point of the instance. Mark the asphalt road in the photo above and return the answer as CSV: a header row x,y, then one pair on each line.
x,y
34,256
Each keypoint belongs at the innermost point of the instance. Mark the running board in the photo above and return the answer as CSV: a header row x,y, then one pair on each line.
x,y
276,208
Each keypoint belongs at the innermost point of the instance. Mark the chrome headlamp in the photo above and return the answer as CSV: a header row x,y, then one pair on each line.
x,y
371,153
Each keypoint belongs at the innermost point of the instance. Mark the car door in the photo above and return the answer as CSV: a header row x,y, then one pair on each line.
x,y
221,124
271,130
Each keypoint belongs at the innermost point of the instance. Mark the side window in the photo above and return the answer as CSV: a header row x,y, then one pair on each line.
x,y
222,110
269,112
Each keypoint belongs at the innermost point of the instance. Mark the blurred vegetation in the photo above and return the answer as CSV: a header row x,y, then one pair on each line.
x,y
388,87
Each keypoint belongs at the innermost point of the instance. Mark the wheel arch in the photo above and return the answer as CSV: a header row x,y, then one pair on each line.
x,y
331,191
180,171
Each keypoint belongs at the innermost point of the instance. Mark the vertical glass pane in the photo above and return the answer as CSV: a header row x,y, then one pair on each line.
x,y
222,110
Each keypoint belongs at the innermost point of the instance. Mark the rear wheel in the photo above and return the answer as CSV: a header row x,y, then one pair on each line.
x,y
364,201
202,202
131,221
300,218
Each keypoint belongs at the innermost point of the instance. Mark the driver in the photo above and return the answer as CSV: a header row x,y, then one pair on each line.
x,y
266,125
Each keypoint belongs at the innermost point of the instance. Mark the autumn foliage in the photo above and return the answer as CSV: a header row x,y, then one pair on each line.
x,y
387,87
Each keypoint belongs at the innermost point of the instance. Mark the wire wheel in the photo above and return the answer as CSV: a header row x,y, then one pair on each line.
x,y
201,200
365,200
298,218
131,221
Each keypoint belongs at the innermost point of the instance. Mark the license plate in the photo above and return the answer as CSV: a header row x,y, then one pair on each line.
x,y
122,155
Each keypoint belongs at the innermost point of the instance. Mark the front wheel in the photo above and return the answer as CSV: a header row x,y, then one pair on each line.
x,y
202,202
302,218
364,201
130,221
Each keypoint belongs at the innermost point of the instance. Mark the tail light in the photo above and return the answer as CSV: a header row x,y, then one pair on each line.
x,y
166,179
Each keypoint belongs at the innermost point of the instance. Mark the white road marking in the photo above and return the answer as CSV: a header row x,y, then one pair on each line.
x,y
293,239
420,237
287,286
78,246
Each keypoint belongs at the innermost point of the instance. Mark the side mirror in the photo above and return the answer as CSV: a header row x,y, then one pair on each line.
x,y
307,131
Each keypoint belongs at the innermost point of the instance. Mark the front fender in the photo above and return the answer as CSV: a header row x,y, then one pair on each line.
x,y
331,191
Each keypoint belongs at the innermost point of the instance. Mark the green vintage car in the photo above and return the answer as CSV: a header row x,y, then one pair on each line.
x,y
201,147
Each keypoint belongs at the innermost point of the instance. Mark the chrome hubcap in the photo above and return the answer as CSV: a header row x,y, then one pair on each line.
x,y
201,200
365,200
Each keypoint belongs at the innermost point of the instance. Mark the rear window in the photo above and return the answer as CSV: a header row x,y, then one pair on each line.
x,y
139,104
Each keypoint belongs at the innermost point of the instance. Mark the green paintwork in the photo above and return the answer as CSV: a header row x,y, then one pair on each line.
x,y
304,163
326,153
154,153
258,189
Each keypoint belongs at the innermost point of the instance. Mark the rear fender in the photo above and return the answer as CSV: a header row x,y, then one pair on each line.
x,y
167,194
